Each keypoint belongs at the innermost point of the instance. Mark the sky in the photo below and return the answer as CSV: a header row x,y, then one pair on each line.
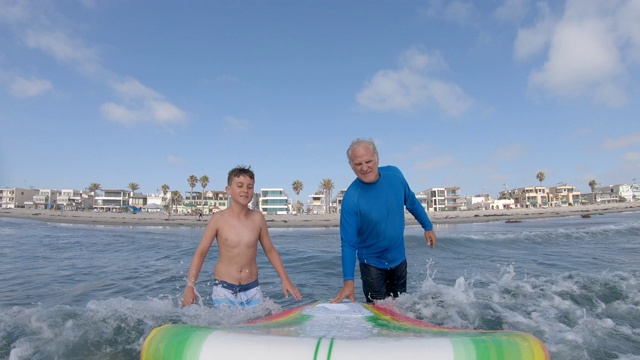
x,y
482,95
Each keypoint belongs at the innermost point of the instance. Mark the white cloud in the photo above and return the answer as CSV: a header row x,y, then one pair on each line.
x,y
509,152
435,163
175,159
409,87
24,88
12,13
589,49
621,142
629,26
632,156
460,11
141,104
512,11
65,49
236,125
531,41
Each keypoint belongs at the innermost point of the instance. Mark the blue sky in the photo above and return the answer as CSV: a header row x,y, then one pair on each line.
x,y
476,94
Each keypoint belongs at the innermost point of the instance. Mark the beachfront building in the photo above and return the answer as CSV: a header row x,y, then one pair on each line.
x,y
635,192
137,200
541,196
316,204
611,194
45,198
442,199
15,198
274,201
191,203
475,201
423,198
115,200
485,202
212,202
462,204
70,199
339,199
527,197
564,195
599,198
158,199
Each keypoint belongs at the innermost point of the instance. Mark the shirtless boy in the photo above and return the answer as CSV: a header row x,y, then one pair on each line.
x,y
238,230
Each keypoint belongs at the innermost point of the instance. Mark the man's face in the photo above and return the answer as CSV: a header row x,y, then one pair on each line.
x,y
241,189
364,163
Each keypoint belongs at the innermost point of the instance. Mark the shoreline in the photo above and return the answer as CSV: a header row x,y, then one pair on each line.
x,y
312,221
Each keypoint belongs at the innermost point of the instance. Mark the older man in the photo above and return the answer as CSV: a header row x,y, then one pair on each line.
x,y
372,225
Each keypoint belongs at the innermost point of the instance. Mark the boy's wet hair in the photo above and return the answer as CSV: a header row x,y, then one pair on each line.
x,y
238,171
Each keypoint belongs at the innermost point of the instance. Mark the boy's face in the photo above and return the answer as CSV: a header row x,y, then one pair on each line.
x,y
241,189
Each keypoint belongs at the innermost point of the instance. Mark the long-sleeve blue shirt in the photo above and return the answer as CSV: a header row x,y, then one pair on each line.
x,y
372,221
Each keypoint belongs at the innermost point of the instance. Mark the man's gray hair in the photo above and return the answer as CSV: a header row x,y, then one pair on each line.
x,y
360,141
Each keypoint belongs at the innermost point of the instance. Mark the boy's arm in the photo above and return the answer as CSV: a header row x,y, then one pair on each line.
x,y
276,262
200,254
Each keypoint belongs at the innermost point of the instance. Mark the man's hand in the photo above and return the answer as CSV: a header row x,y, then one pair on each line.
x,y
346,291
430,236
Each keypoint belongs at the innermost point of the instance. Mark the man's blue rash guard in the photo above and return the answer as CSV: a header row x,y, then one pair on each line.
x,y
372,221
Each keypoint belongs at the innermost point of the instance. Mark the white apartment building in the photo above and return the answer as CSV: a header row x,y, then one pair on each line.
x,y
339,199
112,200
274,201
442,199
611,194
316,204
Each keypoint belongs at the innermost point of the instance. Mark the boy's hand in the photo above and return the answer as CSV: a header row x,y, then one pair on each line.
x,y
288,287
189,297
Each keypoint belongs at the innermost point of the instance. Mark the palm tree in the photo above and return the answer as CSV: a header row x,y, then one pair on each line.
x,y
297,187
193,181
176,198
165,190
204,181
133,186
326,186
93,187
592,184
540,176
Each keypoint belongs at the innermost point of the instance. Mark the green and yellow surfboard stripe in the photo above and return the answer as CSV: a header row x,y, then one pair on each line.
x,y
181,342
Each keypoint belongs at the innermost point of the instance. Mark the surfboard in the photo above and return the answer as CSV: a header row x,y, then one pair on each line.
x,y
338,331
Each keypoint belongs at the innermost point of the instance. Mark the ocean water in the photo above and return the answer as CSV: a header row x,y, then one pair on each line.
x,y
95,292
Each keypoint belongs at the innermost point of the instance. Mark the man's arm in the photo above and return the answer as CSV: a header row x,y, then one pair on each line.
x,y
348,240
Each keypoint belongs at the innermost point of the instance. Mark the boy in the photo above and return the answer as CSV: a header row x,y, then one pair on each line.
x,y
238,230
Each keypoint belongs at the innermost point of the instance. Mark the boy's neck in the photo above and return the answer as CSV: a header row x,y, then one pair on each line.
x,y
238,208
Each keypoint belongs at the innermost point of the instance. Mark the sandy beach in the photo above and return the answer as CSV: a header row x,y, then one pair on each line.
x,y
312,221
